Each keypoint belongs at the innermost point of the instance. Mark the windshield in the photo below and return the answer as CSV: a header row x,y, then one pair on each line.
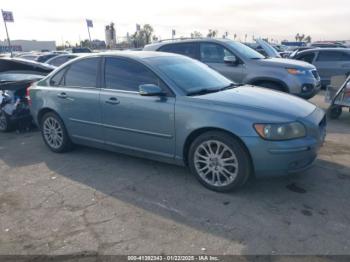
x,y
190,75
269,49
245,50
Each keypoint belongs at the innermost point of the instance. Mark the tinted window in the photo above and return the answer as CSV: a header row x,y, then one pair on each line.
x,y
187,49
328,56
56,80
213,53
309,57
127,75
82,73
188,74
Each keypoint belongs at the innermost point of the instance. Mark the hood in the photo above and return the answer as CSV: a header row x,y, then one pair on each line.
x,y
286,63
17,81
269,49
263,101
22,66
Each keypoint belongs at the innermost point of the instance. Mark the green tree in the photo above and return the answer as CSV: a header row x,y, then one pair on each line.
x,y
308,39
196,34
212,33
143,36
85,43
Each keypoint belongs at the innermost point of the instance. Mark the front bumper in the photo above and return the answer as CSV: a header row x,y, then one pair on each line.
x,y
304,86
279,158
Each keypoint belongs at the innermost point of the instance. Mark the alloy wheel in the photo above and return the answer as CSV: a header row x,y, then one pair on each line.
x,y
53,132
216,163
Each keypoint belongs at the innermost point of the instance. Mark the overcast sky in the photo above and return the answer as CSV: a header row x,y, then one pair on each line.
x,y
278,19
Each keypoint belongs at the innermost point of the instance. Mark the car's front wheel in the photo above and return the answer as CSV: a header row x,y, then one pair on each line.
x,y
219,161
54,133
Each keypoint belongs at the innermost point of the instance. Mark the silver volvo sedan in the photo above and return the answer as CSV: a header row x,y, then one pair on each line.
x,y
172,108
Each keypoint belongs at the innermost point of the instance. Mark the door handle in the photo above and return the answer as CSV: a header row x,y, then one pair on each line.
x,y
62,95
113,101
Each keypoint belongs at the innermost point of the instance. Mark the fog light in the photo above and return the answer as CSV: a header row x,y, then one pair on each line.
x,y
307,88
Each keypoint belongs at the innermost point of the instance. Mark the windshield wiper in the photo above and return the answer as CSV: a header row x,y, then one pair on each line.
x,y
207,90
202,91
230,86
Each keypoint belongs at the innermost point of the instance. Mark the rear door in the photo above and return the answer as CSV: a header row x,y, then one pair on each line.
x,y
213,55
76,94
133,122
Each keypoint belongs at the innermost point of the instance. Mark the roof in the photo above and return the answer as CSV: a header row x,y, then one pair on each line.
x,y
325,49
134,54
155,45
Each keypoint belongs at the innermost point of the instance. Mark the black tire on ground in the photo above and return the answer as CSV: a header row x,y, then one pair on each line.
x,y
5,123
245,169
335,112
272,85
66,144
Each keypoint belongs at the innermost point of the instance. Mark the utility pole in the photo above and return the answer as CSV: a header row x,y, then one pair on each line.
x,y
89,24
7,17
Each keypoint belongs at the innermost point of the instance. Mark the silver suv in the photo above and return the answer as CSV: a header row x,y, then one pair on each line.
x,y
244,65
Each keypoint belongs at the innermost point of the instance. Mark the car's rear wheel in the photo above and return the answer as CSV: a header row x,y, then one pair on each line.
x,y
5,123
54,133
219,161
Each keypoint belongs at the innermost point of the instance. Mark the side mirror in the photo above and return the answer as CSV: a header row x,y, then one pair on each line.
x,y
232,60
150,90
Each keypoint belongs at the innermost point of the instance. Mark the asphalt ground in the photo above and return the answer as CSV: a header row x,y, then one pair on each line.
x,y
99,202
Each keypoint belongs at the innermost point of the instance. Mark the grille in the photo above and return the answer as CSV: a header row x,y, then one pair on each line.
x,y
315,73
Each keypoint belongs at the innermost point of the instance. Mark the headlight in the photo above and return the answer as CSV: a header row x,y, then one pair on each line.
x,y
280,131
294,71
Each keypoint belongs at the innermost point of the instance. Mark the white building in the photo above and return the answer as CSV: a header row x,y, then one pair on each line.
x,y
30,45
110,34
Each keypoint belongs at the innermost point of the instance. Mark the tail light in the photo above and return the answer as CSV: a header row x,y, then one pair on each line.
x,y
29,100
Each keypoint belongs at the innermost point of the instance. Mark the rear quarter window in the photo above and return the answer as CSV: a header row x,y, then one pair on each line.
x,y
187,49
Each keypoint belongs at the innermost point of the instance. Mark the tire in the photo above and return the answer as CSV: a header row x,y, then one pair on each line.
x,y
5,123
54,133
209,171
271,85
335,112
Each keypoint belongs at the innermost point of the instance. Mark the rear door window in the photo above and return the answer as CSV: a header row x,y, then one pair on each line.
x,y
187,49
82,73
213,53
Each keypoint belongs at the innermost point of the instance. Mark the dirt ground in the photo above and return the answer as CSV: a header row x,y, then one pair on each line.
x,y
100,202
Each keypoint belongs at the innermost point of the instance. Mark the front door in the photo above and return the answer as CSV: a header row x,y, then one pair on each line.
x,y
140,123
213,55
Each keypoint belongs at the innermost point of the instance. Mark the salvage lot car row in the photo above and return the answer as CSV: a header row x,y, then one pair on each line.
x,y
174,109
